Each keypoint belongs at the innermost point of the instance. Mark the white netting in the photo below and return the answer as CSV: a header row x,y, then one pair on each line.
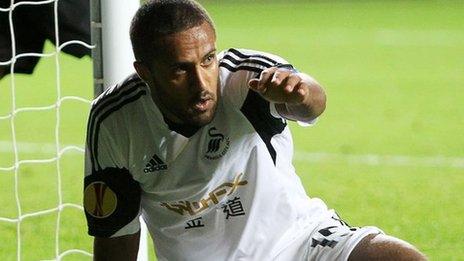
x,y
59,150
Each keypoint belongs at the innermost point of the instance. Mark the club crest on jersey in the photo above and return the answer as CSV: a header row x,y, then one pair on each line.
x,y
218,144
99,200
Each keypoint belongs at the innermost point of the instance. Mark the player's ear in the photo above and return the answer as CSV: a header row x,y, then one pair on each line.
x,y
142,70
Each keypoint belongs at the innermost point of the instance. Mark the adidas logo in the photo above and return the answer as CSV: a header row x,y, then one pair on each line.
x,y
155,164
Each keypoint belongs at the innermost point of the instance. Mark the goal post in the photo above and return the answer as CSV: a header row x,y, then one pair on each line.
x,y
113,58
112,54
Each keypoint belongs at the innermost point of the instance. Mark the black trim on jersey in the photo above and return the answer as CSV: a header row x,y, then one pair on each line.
x,y
108,99
128,194
246,60
101,105
254,65
104,116
246,56
257,70
256,110
105,102
240,68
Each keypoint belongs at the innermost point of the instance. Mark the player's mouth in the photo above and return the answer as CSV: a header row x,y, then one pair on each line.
x,y
202,104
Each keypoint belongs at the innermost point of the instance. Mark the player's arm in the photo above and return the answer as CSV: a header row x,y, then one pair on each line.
x,y
122,248
297,95
112,207
112,196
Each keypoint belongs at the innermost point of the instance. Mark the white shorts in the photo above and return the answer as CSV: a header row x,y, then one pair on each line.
x,y
330,240
335,240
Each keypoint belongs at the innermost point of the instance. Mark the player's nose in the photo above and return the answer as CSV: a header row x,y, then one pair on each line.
x,y
199,80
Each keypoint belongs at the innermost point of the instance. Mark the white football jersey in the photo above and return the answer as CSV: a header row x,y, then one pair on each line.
x,y
228,192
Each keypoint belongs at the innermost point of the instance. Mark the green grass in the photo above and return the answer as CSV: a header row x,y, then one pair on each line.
x,y
394,75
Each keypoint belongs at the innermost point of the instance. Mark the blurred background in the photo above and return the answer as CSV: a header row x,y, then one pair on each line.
x,y
388,151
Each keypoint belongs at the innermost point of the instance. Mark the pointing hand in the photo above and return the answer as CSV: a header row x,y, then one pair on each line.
x,y
280,85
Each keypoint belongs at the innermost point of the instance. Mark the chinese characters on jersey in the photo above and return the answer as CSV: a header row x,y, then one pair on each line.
x,y
232,208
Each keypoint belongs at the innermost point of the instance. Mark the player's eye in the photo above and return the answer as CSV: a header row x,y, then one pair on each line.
x,y
209,59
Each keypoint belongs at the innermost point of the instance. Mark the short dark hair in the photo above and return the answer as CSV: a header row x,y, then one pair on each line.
x,y
158,18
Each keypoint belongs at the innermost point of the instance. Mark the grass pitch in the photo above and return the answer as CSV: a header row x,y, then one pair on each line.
x,y
387,152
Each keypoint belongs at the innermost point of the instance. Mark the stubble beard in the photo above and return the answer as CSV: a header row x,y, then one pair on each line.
x,y
187,115
203,118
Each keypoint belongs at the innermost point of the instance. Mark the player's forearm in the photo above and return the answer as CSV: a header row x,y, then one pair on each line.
x,y
310,107
123,248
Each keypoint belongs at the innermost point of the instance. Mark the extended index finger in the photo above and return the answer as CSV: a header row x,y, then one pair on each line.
x,y
261,84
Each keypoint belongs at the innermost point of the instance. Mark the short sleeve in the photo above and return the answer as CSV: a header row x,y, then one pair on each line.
x,y
111,195
239,66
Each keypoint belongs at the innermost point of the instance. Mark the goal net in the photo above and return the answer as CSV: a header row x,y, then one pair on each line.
x,y
35,116
42,131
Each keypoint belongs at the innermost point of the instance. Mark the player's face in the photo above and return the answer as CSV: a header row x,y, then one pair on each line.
x,y
185,76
